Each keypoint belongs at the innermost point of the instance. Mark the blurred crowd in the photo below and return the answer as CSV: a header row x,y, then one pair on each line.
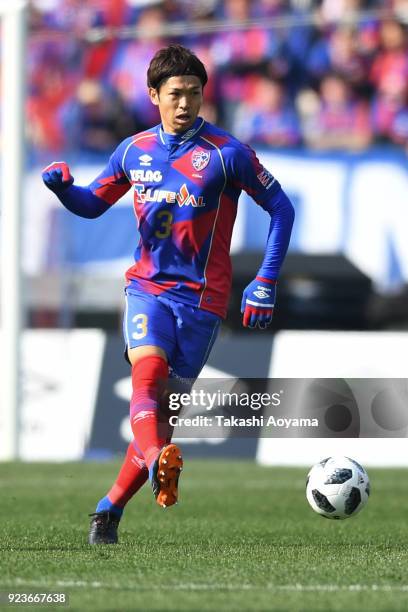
x,y
323,74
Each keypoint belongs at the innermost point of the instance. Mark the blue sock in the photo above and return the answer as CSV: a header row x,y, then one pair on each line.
x,y
105,504
151,468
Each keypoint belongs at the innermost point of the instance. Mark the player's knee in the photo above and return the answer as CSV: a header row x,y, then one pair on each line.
x,y
140,352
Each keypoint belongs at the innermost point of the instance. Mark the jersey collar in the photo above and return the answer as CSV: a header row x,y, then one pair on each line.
x,y
169,140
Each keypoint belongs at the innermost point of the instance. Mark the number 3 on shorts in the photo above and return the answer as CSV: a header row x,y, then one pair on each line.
x,y
141,326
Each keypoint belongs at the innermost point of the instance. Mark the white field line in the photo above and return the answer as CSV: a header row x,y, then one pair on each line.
x,y
341,587
191,586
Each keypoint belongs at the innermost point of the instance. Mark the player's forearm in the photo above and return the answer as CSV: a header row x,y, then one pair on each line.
x,y
282,218
82,202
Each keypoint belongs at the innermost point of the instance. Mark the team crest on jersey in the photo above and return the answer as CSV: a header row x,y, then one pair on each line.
x,y
200,159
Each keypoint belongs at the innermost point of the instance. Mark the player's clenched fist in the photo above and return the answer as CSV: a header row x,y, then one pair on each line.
x,y
258,301
57,176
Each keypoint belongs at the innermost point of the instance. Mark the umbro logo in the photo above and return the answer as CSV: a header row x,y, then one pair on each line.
x,y
262,293
145,160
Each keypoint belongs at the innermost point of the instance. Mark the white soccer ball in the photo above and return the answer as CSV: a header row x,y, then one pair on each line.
x,y
337,487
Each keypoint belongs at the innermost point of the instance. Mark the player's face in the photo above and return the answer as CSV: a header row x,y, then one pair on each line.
x,y
179,100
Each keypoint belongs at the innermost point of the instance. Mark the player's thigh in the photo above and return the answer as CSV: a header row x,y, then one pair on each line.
x,y
148,326
195,339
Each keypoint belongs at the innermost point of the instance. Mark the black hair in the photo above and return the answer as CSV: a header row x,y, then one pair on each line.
x,y
174,60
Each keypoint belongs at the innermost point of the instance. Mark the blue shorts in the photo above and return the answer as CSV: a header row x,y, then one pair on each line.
x,y
185,333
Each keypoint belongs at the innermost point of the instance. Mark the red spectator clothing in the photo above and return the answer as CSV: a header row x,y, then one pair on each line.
x,y
389,64
352,117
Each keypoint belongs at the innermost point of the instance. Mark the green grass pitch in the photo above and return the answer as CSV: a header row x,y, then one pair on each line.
x,y
242,538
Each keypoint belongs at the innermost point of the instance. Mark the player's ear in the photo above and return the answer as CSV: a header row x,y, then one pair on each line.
x,y
154,96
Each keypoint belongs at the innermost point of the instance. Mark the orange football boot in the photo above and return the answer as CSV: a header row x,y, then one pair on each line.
x,y
165,475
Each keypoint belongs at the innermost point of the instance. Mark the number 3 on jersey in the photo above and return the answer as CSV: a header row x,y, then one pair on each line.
x,y
165,219
141,326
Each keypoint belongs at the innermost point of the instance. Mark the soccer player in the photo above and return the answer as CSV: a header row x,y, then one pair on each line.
x,y
186,175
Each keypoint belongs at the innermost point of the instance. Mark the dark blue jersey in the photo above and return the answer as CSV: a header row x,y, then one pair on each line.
x,y
186,190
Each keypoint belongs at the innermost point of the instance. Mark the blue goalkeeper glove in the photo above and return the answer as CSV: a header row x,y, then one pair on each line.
x,y
57,177
258,301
